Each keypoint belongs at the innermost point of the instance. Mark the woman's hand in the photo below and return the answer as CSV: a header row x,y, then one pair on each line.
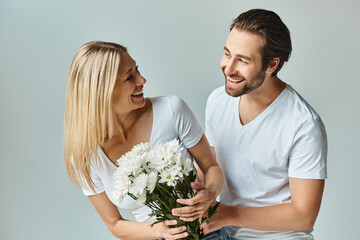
x,y
165,230
211,178
197,205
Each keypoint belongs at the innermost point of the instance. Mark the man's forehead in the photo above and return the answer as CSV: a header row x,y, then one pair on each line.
x,y
244,42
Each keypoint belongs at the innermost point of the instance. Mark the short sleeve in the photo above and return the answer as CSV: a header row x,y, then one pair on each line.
x,y
99,187
187,127
208,122
308,156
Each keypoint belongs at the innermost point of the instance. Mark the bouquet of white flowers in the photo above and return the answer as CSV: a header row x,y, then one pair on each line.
x,y
156,177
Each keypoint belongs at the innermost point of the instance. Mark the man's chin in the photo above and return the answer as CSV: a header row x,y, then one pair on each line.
x,y
232,91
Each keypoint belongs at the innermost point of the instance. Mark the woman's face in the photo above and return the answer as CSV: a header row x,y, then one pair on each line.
x,y
128,90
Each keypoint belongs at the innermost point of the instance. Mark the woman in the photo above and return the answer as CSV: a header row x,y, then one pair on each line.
x,y
106,114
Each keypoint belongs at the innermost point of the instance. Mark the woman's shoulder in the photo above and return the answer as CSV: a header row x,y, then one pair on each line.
x,y
167,98
98,160
173,101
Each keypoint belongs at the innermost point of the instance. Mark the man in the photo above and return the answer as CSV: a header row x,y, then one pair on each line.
x,y
268,140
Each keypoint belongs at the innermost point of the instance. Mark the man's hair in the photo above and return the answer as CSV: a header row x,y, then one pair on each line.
x,y
276,35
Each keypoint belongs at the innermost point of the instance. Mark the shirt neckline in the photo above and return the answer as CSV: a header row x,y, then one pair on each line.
x,y
150,140
264,113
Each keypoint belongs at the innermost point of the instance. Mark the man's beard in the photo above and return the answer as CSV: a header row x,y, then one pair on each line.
x,y
249,86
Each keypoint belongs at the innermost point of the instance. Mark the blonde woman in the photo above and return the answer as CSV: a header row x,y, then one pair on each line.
x,y
106,114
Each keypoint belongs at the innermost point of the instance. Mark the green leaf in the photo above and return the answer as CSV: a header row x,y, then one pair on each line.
x,y
169,216
212,209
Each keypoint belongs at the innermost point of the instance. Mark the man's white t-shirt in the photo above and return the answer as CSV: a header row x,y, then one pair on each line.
x,y
287,139
172,118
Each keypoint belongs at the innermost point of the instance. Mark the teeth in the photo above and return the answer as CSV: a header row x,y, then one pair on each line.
x,y
138,93
235,80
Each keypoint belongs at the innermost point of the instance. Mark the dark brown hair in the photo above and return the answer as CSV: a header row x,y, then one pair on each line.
x,y
276,35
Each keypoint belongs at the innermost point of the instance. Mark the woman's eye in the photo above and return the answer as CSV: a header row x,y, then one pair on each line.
x,y
129,78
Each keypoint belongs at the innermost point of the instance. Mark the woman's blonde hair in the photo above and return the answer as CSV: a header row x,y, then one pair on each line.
x,y
88,110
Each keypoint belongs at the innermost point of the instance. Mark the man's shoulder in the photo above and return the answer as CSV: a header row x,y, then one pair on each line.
x,y
300,105
217,96
219,91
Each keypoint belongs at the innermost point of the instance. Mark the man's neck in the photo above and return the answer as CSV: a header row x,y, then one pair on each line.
x,y
255,102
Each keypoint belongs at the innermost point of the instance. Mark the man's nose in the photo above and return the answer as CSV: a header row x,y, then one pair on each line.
x,y
230,67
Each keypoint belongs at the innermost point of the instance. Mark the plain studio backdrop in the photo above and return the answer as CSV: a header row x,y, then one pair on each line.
x,y
178,46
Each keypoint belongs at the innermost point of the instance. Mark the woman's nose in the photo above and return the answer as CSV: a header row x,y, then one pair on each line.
x,y
140,80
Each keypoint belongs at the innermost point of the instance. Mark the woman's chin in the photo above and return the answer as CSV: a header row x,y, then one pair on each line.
x,y
139,100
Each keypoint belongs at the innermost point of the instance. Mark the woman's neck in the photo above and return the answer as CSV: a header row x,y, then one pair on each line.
x,y
130,129
125,123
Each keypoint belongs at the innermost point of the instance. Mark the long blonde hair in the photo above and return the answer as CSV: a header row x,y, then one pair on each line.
x,y
88,112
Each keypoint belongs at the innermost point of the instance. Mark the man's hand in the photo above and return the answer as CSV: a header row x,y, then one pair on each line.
x,y
197,205
217,221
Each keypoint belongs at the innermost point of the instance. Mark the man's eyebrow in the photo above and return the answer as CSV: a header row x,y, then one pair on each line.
x,y
239,55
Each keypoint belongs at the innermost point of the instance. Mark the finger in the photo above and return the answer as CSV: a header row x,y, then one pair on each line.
x,y
188,210
175,233
178,236
170,222
190,219
191,201
178,230
193,215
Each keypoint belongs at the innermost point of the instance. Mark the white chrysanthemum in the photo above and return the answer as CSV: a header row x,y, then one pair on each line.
x,y
170,176
151,181
120,173
139,184
159,158
141,168
164,156
133,160
140,148
132,163
141,199
121,186
173,146
130,166
186,166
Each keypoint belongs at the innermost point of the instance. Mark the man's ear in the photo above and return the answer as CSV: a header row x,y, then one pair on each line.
x,y
274,63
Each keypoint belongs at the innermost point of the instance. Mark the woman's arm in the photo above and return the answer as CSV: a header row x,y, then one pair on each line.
x,y
206,191
125,229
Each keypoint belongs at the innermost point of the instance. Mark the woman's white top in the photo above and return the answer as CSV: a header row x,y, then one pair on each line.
x,y
172,118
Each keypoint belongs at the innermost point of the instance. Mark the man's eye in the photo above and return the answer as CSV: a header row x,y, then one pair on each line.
x,y
240,60
137,68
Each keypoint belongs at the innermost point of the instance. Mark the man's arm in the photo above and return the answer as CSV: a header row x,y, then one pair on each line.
x,y
298,215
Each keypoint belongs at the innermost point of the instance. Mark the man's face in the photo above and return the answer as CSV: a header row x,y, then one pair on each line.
x,y
242,62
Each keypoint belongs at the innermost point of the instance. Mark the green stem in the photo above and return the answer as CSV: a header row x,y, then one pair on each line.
x,y
162,202
158,184
191,190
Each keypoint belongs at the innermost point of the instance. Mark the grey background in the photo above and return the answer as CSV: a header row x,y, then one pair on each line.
x,y
178,46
